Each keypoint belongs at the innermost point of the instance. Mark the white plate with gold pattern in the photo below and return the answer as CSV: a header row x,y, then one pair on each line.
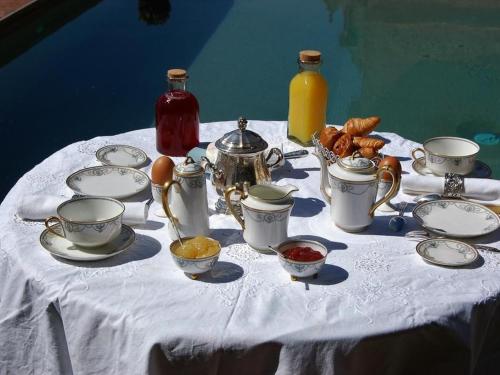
x,y
481,170
63,248
456,218
121,156
446,252
108,181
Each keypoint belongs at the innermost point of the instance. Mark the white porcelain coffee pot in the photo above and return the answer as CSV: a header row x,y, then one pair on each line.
x,y
266,210
350,187
186,205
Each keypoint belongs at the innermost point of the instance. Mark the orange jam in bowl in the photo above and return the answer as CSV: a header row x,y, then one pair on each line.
x,y
196,247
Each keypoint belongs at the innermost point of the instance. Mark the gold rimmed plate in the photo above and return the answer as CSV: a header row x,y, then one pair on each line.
x,y
121,156
456,218
108,181
447,252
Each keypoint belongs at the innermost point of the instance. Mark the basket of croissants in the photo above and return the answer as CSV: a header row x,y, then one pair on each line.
x,y
353,138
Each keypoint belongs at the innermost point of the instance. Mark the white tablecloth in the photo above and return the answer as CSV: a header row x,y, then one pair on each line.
x,y
376,307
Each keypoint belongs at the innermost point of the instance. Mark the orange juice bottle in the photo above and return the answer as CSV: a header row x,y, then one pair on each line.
x,y
308,97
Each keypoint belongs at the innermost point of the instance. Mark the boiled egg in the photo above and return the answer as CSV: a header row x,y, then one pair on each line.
x,y
392,162
162,170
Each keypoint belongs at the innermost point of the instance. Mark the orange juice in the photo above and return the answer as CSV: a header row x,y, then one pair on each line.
x,y
308,98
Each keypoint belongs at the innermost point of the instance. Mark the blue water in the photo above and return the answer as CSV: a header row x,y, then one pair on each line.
x,y
427,68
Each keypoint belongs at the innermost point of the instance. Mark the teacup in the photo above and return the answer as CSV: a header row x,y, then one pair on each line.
x,y
448,155
88,221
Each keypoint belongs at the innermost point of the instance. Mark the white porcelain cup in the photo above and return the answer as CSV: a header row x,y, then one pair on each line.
x,y
88,221
448,155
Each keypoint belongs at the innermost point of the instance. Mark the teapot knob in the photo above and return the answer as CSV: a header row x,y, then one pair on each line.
x,y
242,123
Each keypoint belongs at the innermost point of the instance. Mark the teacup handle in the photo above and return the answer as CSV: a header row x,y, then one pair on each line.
x,y
50,227
164,201
227,197
413,152
396,180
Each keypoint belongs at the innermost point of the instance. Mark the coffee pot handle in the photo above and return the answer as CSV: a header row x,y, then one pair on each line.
x,y
227,197
164,201
393,191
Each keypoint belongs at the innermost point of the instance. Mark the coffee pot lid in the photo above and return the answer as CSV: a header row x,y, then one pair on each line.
x,y
188,168
357,165
354,169
241,141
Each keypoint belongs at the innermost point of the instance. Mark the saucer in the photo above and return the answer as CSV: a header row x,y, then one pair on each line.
x,y
108,181
63,248
121,156
446,252
481,170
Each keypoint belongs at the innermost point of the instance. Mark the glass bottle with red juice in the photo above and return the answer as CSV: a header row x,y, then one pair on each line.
x,y
177,117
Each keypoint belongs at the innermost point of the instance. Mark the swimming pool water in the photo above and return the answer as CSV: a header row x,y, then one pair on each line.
x,y
427,68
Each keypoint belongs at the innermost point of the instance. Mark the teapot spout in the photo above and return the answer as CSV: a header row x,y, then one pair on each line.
x,y
324,187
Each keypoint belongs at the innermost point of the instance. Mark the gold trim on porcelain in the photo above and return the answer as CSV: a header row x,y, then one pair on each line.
x,y
266,211
451,156
354,182
93,221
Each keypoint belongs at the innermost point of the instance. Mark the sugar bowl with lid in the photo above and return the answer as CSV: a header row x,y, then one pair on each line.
x,y
242,157
266,210
350,186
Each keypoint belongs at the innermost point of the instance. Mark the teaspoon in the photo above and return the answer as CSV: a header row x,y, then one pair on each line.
x,y
427,198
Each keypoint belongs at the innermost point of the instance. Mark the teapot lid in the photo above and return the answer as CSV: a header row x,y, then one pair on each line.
x,y
241,141
354,169
189,168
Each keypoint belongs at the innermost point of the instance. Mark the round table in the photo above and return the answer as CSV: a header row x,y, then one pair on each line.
x,y
376,306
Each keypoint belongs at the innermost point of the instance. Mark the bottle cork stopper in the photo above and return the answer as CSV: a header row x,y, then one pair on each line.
x,y
176,73
310,56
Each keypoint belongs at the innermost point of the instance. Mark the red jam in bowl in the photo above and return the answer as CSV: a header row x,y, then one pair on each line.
x,y
302,254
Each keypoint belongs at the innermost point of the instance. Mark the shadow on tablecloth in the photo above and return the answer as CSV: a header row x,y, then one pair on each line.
x,y
143,247
307,207
223,272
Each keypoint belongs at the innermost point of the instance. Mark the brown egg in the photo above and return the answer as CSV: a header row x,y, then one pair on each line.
x,y
392,162
162,170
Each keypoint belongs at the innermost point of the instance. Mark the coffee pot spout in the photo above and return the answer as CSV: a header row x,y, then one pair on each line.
x,y
325,188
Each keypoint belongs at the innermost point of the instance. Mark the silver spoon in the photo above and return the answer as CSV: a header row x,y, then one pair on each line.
x,y
274,250
176,230
424,235
427,198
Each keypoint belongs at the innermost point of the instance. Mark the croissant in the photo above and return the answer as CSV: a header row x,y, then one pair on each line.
x,y
343,146
329,136
360,126
368,142
367,152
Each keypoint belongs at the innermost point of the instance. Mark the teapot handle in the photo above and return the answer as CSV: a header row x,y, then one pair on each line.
x,y
276,151
227,197
396,180
164,201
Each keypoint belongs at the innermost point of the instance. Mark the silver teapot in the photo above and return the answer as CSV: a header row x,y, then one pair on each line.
x,y
242,158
